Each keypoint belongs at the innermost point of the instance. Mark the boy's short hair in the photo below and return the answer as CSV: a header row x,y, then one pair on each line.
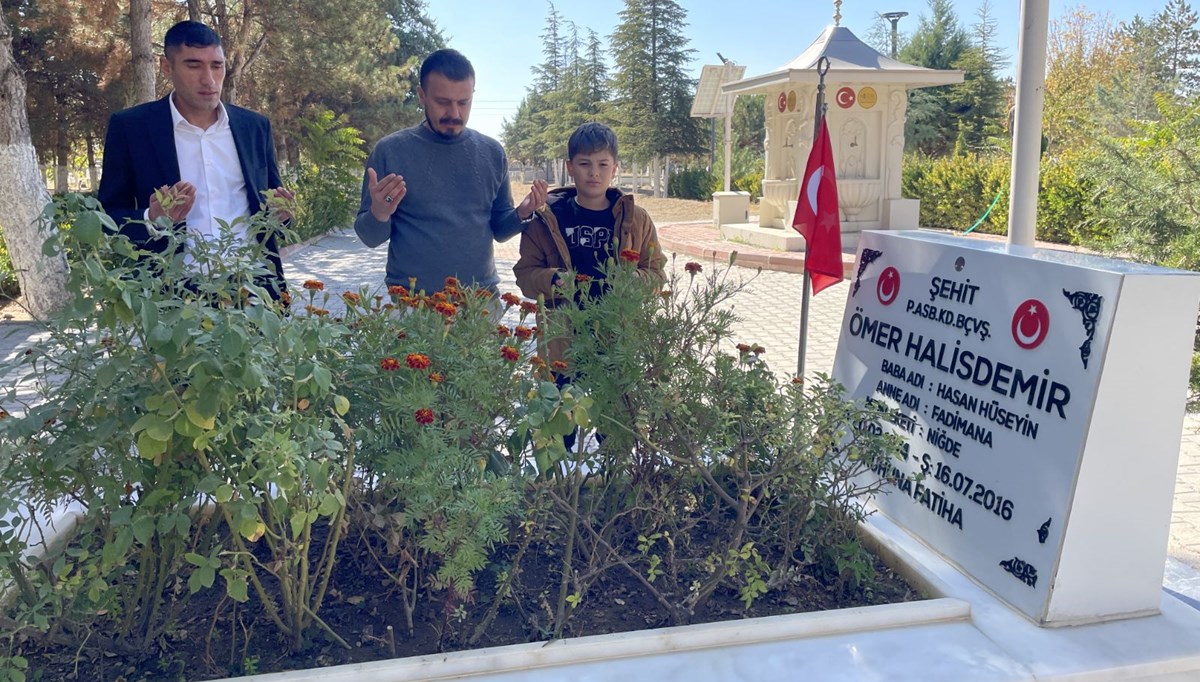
x,y
190,34
450,63
591,138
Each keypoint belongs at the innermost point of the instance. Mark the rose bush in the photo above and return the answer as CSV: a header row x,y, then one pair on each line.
x,y
216,442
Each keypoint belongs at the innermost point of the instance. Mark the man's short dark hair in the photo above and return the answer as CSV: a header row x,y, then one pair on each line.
x,y
450,63
592,138
191,34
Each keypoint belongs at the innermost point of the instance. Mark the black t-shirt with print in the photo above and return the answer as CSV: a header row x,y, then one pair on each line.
x,y
588,233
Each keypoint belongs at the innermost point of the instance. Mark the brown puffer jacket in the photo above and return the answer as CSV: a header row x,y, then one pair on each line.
x,y
544,253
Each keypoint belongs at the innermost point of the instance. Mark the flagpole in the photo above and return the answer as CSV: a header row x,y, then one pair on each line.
x,y
806,282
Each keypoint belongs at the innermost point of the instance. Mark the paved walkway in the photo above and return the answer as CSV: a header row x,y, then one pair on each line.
x,y
770,312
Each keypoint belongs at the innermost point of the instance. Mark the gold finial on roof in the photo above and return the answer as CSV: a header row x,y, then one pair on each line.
x,y
837,12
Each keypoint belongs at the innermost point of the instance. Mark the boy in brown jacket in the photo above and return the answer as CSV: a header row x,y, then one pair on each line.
x,y
580,228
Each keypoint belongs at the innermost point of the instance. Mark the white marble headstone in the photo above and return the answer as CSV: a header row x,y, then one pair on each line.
x,y
1041,395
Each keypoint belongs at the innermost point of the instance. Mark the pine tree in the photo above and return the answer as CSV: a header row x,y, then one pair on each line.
x,y
980,97
550,72
938,43
1179,44
652,92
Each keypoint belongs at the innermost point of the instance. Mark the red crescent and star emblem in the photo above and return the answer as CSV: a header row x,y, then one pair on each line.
x,y
845,97
782,101
888,287
1030,324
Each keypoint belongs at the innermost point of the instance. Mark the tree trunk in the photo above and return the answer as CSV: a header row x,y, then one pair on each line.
x,y
43,279
62,161
194,10
93,181
655,168
143,51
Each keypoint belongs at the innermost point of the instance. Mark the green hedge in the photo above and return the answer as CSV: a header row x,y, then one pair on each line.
x,y
955,191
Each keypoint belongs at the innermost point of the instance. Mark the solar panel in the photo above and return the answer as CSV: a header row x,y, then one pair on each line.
x,y
709,102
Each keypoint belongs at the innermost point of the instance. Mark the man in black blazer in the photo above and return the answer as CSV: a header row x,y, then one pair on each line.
x,y
214,160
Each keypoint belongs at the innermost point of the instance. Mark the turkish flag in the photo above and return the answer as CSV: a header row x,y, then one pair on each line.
x,y
817,215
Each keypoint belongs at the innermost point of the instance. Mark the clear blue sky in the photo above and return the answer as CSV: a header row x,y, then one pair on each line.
x,y
502,37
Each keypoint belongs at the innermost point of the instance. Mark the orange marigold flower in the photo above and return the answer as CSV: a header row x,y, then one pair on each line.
x,y
389,306
389,364
483,293
424,416
439,296
285,298
509,353
445,309
693,267
313,310
665,293
583,278
743,348
417,360
451,282
4,414
558,365
631,255
522,332
436,377
503,331
757,349
528,307
351,297
537,361
314,285
397,290
510,299
797,380
401,335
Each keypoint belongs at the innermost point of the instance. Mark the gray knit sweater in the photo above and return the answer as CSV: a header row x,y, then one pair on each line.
x,y
458,202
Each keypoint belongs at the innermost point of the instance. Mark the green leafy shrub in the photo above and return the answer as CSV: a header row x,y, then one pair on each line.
x,y
9,287
1067,204
955,191
713,474
697,184
190,419
329,175
435,387
213,440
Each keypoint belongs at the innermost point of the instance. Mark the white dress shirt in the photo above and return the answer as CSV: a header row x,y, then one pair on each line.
x,y
208,159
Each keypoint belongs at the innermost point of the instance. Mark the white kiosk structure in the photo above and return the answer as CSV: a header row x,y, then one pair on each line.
x,y
867,96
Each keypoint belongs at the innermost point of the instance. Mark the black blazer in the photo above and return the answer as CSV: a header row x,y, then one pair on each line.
x,y
139,157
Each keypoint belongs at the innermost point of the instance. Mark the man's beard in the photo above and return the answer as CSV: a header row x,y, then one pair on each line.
x,y
444,136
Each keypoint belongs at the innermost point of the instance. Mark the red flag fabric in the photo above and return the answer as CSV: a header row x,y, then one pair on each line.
x,y
817,215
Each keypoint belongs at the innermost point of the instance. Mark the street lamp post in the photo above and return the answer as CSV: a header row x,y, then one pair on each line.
x,y
894,17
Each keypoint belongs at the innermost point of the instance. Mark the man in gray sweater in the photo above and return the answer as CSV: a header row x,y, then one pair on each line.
x,y
439,191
